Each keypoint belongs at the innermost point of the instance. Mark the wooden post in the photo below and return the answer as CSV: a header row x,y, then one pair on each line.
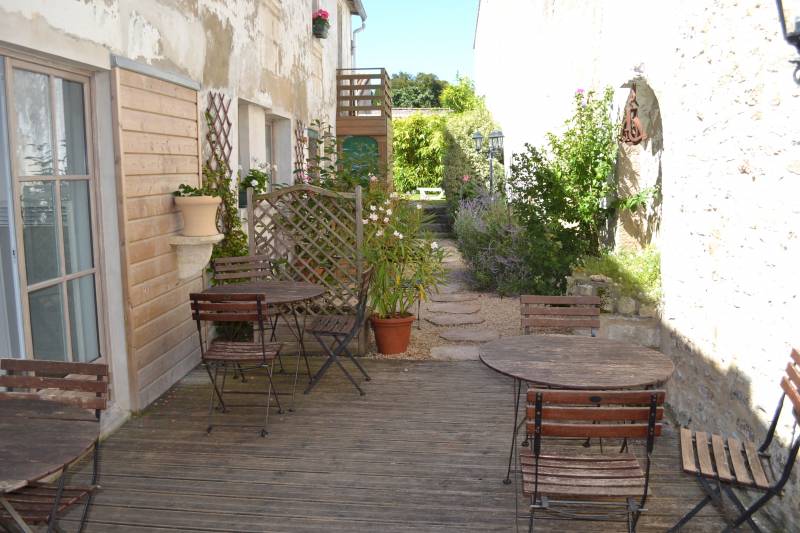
x,y
362,339
251,236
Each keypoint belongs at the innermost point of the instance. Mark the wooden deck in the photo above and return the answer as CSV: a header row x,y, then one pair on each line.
x,y
424,451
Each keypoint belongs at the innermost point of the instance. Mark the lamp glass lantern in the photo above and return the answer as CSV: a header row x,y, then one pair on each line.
x,y
790,20
496,141
478,138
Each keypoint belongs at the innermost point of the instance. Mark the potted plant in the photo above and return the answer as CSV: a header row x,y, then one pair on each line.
x,y
199,209
407,266
257,178
320,23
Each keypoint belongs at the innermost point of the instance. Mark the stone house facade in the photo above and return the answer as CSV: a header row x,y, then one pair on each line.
x,y
102,108
723,108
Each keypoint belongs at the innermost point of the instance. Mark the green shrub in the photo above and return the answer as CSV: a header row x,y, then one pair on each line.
x,y
496,248
461,96
418,150
560,192
638,273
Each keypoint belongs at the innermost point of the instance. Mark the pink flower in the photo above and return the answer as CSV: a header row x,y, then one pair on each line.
x,y
320,13
465,178
579,91
373,178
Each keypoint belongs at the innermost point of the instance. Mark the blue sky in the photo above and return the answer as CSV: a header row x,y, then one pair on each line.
x,y
418,36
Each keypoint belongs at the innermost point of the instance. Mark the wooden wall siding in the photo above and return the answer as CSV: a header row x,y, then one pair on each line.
x,y
158,148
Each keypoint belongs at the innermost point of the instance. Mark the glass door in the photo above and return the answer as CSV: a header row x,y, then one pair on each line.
x,y
53,184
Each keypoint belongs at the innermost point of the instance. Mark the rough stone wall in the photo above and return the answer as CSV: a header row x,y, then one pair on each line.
x,y
730,176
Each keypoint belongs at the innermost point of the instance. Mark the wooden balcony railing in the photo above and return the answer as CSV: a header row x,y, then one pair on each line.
x,y
363,92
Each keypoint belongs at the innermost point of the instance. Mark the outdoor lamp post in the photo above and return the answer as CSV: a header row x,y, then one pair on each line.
x,y
495,146
790,25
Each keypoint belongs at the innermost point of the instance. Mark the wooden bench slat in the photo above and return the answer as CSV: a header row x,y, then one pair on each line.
x,y
41,382
703,456
84,402
590,493
608,431
739,463
721,458
618,414
796,356
54,367
754,461
687,451
793,394
794,375
560,300
552,322
528,310
605,397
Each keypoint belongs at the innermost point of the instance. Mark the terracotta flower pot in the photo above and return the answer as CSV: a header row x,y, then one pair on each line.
x,y
199,215
392,335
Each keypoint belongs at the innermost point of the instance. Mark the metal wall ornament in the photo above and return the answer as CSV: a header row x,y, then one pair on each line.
x,y
632,131
789,17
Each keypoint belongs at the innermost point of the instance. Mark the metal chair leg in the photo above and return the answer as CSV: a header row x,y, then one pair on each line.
x,y
52,523
350,377
745,513
688,516
350,356
518,386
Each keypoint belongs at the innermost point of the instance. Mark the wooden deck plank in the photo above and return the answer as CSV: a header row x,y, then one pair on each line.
x,y
424,451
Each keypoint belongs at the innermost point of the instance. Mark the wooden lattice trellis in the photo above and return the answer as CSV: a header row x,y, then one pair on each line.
x,y
219,130
311,234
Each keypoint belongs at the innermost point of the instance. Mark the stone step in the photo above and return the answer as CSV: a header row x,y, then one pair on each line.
x,y
453,297
454,320
469,335
436,228
454,308
455,352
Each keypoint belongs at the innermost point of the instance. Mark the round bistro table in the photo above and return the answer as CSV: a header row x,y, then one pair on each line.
x,y
573,362
39,438
284,296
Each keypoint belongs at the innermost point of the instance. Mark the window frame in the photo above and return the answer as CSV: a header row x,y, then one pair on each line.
x,y
13,61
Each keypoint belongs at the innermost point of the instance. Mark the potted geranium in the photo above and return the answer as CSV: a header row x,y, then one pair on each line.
x,y
407,266
320,23
257,178
198,205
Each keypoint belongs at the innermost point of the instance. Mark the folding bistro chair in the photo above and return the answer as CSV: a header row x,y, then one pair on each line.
x,y
83,385
340,330
219,355
589,486
566,314
249,268
751,465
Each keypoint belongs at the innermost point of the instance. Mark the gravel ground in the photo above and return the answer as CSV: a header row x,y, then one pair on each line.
x,y
499,314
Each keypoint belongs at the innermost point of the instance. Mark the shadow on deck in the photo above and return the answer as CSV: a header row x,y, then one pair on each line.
x,y
425,450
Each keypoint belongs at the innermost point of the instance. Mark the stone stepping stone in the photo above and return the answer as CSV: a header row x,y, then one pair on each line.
x,y
454,320
455,297
454,308
455,353
470,335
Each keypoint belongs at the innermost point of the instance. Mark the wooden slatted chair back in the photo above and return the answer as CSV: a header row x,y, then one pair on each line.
x,y
249,268
83,385
791,383
562,313
600,414
228,308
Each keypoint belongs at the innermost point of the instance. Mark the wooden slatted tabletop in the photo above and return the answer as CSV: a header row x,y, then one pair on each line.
x,y
275,292
576,362
37,438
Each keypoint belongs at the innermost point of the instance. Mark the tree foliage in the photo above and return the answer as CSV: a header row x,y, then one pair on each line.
x,y
422,90
418,149
461,96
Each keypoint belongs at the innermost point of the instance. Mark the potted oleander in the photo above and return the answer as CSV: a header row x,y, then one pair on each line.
x,y
407,267
257,178
199,206
320,23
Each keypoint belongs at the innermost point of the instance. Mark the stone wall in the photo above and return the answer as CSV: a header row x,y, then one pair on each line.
x,y
730,171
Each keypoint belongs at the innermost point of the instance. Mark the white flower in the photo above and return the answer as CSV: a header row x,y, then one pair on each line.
x,y
393,195
373,217
386,220
419,206
398,234
379,233
254,183
386,202
380,209
388,211
434,245
365,221
372,208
